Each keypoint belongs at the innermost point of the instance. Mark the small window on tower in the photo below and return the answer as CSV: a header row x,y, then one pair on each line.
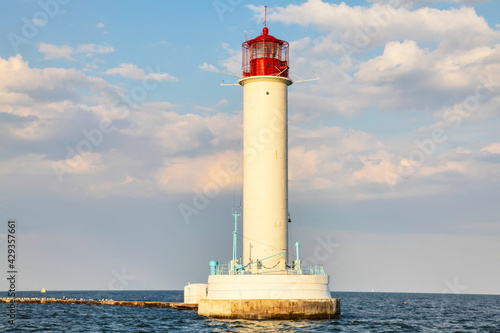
x,y
268,65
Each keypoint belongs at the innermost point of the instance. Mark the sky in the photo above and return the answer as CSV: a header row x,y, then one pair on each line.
x,y
120,154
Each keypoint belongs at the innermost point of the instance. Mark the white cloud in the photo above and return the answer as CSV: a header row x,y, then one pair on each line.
x,y
439,54
26,164
397,59
54,84
222,102
85,163
494,148
133,72
209,68
191,131
421,66
128,70
357,160
40,102
360,166
328,161
204,108
411,3
443,167
100,25
300,44
42,106
212,109
365,28
462,150
233,63
67,52
164,77
56,52
93,48
176,174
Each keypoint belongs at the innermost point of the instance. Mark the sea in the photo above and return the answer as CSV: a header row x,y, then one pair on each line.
x,y
361,312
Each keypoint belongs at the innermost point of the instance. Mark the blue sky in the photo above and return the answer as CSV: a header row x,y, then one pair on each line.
x,y
117,140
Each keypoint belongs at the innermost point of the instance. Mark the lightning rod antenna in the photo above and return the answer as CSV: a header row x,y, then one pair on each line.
x,y
265,16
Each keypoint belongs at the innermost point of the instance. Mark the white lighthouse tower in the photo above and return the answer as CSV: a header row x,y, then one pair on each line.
x,y
265,152
270,282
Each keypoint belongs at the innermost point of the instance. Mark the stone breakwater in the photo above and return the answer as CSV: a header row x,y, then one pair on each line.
x,y
171,305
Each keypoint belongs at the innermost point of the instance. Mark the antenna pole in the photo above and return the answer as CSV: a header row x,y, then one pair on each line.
x,y
235,241
265,16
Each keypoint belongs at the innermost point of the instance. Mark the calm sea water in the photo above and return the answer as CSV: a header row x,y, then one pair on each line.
x,y
361,312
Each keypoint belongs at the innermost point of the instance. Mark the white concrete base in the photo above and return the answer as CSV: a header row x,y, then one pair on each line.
x,y
265,296
252,286
194,292
271,308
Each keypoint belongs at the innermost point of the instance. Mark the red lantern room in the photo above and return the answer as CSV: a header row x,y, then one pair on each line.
x,y
265,55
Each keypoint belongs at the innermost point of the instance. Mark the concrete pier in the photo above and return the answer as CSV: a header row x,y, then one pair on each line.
x,y
271,308
171,305
244,309
266,296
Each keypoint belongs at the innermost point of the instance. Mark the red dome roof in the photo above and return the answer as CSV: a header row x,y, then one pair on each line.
x,y
265,55
265,37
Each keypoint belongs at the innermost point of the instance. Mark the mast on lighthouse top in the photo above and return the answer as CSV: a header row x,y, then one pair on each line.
x,y
265,55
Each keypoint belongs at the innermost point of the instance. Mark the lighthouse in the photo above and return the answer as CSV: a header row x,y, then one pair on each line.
x,y
265,151
270,281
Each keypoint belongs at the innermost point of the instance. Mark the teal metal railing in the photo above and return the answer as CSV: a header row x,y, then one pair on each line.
x,y
305,269
223,270
312,269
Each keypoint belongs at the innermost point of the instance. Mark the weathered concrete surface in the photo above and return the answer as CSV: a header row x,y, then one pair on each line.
x,y
172,305
271,308
268,286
